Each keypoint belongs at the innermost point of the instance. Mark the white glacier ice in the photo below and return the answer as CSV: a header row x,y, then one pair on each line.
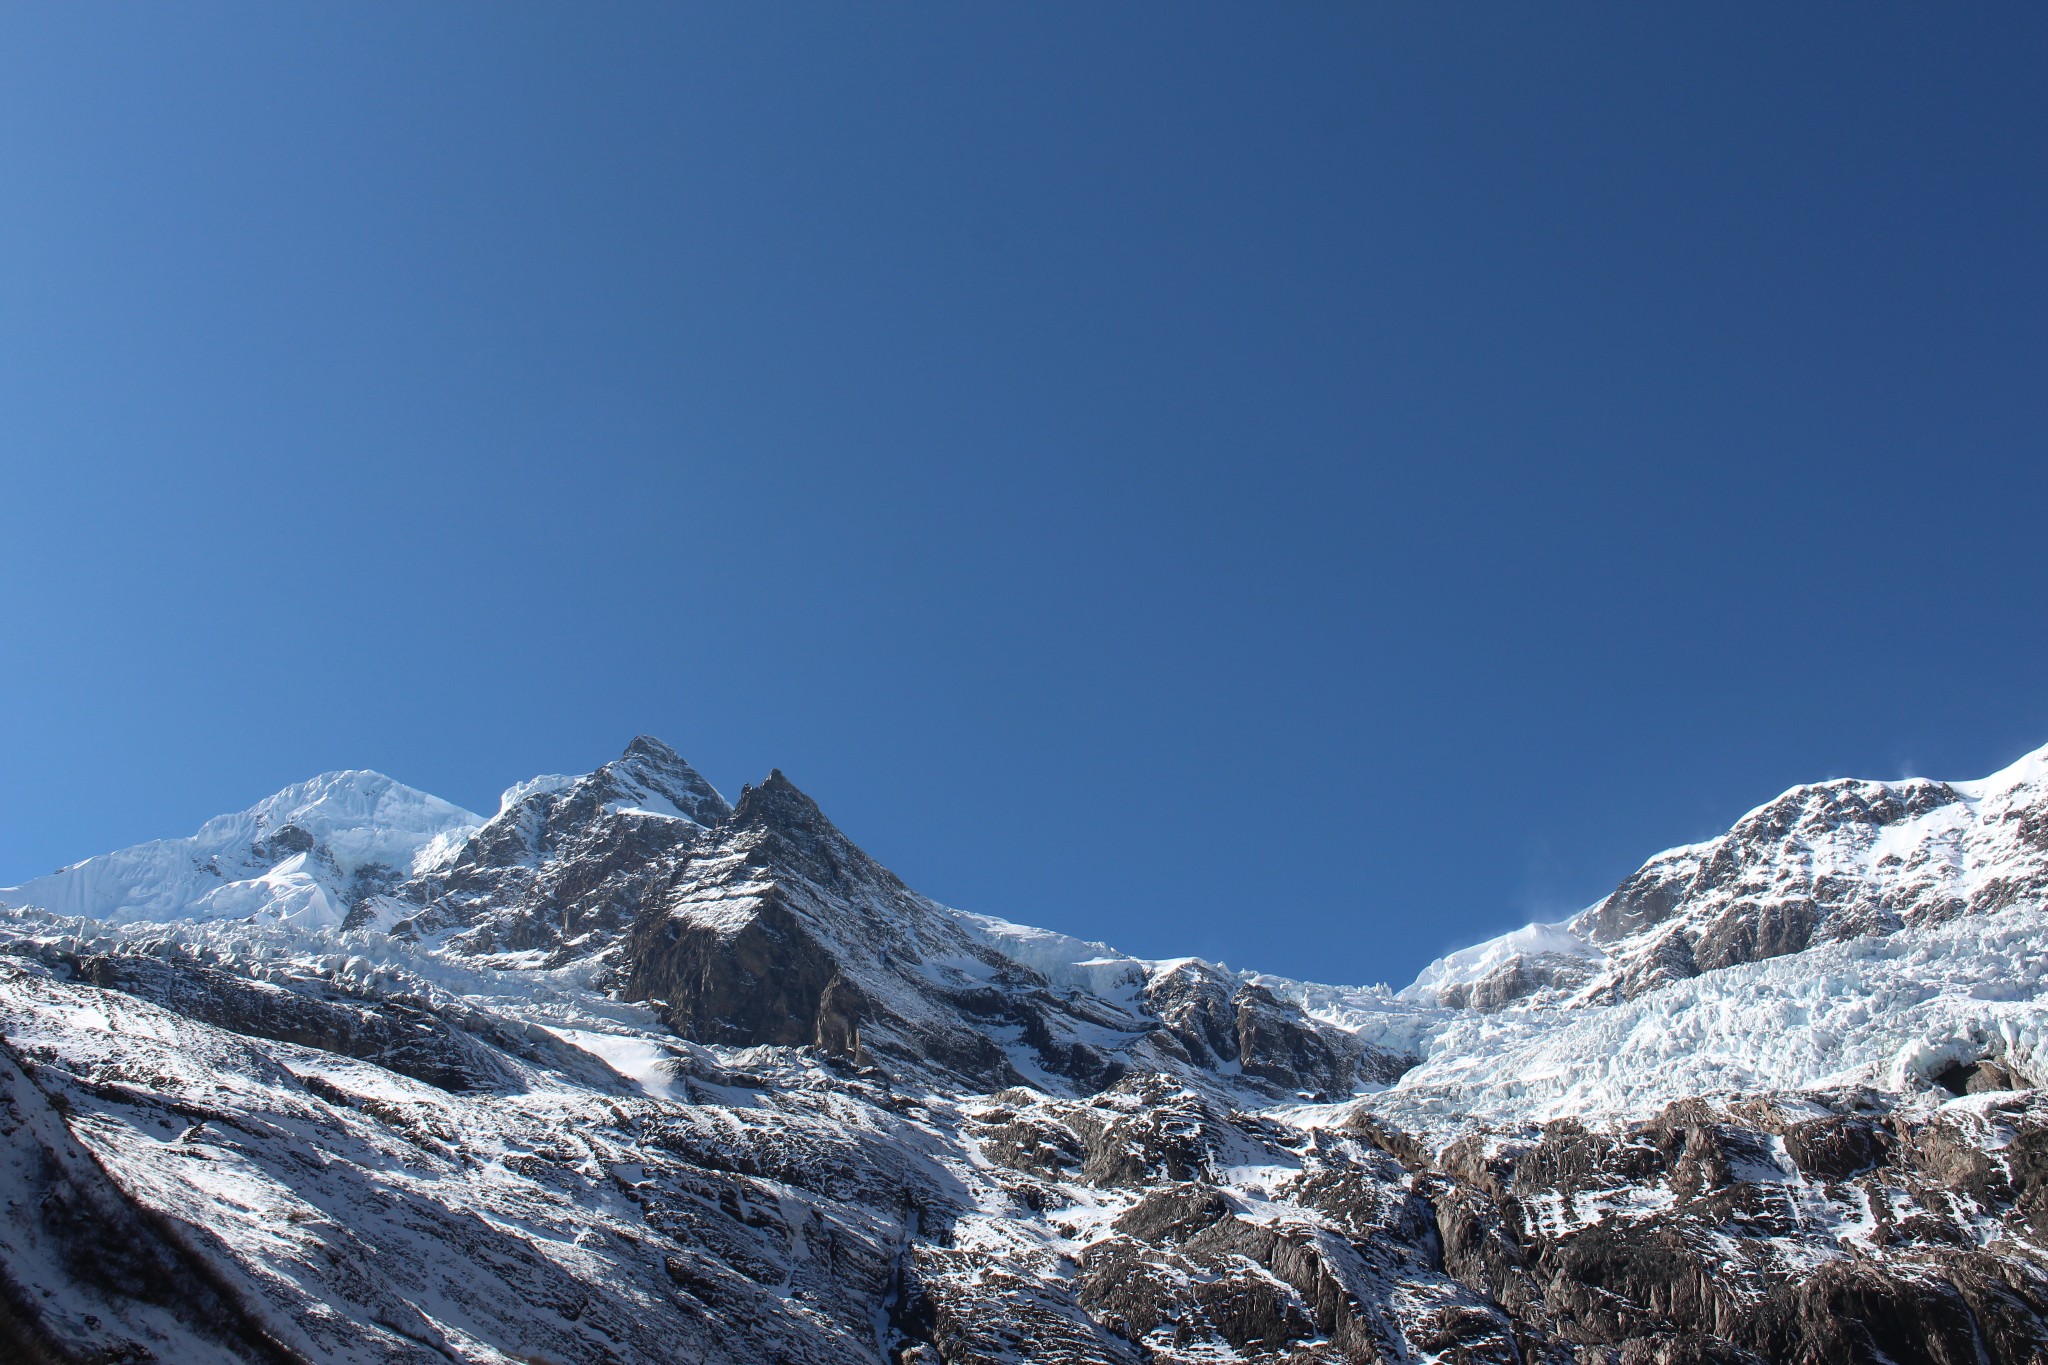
x,y
291,856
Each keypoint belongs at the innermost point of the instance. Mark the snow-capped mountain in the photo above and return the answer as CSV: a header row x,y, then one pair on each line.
x,y
309,853
629,1073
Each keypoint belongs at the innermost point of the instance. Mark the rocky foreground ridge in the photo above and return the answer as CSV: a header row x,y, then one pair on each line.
x,y
626,1073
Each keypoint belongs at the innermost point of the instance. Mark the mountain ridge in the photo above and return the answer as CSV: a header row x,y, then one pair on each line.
x,y
1702,906
627,1070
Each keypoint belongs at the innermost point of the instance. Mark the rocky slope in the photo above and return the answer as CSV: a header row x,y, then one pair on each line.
x,y
629,1074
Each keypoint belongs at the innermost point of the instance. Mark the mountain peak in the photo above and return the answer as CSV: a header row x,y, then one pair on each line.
x,y
778,803
651,775
652,749
804,834
307,852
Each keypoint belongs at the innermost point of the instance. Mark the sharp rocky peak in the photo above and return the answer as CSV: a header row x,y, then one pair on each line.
x,y
565,865
776,800
651,769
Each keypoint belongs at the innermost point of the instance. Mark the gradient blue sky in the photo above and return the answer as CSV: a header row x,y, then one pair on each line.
x,y
1308,485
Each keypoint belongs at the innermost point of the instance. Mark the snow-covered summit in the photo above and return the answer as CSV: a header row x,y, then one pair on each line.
x,y
306,854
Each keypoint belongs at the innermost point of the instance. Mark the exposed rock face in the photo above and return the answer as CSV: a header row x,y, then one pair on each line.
x,y
777,929
1524,975
565,866
1218,1021
1833,1228
626,1075
1328,1254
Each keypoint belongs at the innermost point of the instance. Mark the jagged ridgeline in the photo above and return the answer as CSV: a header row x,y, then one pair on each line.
x,y
627,1073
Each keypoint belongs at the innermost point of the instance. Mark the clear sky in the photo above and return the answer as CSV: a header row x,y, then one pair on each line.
x,y
1309,485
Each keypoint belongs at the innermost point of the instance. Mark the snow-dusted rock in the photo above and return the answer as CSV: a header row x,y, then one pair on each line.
x,y
563,867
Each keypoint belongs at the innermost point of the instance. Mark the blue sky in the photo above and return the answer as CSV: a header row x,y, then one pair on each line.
x,y
1310,485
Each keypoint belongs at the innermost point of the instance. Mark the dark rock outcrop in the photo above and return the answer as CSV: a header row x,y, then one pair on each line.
x,y
1757,1234
1221,1022
775,928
